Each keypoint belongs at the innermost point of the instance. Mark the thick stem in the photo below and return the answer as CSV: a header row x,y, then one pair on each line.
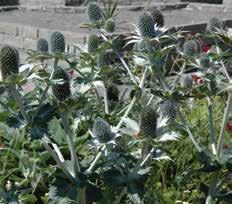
x,y
189,131
71,145
223,127
90,169
211,127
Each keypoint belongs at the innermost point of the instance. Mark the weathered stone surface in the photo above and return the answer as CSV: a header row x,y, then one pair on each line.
x,y
28,32
8,28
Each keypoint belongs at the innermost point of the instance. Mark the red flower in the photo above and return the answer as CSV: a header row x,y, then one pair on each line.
x,y
197,79
71,72
226,146
229,127
204,46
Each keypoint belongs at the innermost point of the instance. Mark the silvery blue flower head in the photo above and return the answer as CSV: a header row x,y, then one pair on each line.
x,y
102,132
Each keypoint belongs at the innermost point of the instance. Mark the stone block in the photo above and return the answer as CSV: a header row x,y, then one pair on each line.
x,y
8,28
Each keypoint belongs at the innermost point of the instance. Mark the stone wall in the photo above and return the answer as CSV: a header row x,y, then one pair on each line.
x,y
9,2
42,2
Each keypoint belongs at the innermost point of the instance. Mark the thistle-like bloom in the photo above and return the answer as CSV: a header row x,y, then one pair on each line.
x,y
191,48
214,24
94,12
9,61
103,133
57,42
42,45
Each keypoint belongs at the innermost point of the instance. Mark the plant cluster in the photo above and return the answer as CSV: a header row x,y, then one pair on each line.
x,y
127,118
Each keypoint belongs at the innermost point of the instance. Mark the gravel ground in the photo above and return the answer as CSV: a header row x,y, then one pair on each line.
x,y
72,22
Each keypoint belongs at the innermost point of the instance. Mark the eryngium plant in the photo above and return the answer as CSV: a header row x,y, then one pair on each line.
x,y
191,48
146,26
93,43
42,45
102,131
109,26
61,90
57,42
9,61
148,122
94,12
158,17
214,24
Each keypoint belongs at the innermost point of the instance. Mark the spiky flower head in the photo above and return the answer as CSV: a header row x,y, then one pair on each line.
x,y
102,131
191,48
42,45
113,93
169,109
214,24
93,43
103,59
61,90
9,61
94,12
57,42
148,122
158,17
204,61
110,26
186,81
146,26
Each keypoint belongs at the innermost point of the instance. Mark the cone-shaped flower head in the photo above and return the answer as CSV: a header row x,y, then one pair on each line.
x,y
102,131
94,12
146,25
214,24
57,42
110,26
93,43
42,45
103,59
191,48
158,17
61,90
9,59
148,122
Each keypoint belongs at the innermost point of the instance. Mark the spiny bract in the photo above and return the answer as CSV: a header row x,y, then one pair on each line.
x,y
103,59
57,42
94,12
110,26
42,45
148,122
146,25
158,17
9,59
102,130
169,109
214,24
191,48
93,43
62,90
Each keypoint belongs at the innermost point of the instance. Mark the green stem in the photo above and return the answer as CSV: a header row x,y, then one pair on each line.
x,y
211,127
71,145
223,127
189,131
